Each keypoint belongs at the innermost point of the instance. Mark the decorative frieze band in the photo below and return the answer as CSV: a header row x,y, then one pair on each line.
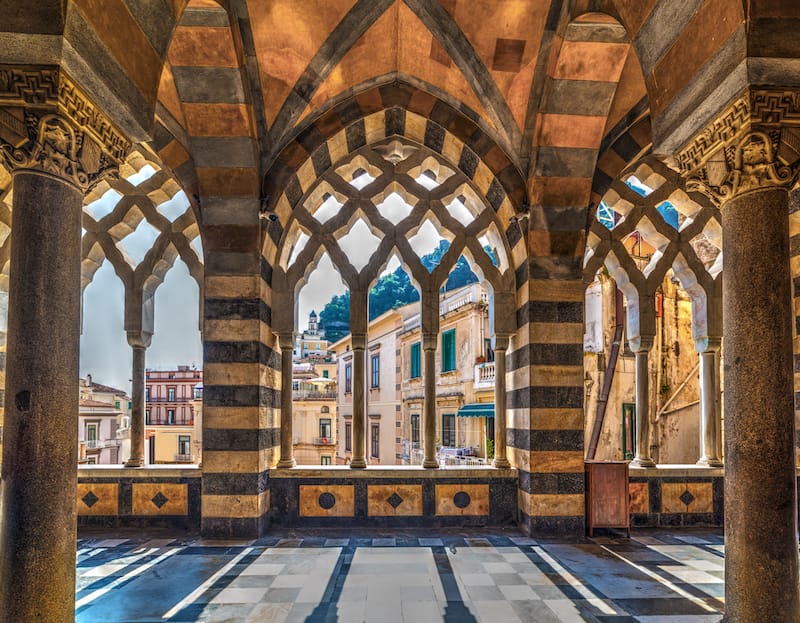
x,y
754,143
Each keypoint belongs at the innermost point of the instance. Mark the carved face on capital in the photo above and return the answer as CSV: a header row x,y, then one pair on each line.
x,y
754,151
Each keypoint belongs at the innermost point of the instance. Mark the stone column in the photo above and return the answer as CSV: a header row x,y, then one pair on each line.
x,y
749,177
139,344
40,453
429,403
710,416
286,341
358,459
761,565
642,347
500,346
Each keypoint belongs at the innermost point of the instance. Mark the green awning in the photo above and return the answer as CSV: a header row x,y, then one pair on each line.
x,y
477,409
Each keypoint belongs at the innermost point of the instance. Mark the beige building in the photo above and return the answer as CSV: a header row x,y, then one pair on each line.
x,y
314,413
464,379
173,407
381,389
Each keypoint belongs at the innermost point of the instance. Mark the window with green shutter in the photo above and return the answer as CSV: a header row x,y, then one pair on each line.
x,y
416,368
449,350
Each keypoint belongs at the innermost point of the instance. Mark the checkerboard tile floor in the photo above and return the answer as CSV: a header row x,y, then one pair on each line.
x,y
500,577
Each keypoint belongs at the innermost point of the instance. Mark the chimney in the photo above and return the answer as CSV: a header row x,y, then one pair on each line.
x,y
89,380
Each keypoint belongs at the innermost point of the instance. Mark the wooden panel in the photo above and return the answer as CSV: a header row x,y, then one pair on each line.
x,y
608,502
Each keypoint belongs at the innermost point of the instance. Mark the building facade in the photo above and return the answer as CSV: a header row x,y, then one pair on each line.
x,y
104,415
314,413
173,407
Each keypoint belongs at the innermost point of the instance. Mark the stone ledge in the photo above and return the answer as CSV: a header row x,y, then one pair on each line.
x,y
675,471
151,471
392,472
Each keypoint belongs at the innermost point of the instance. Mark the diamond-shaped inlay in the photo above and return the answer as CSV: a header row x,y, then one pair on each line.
x,y
159,499
90,499
395,500
687,497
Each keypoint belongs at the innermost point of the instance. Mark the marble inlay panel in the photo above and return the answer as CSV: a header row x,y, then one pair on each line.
x,y
98,499
394,500
160,499
462,499
327,501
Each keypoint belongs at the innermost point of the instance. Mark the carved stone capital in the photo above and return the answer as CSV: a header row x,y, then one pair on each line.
x,y
57,148
48,123
753,144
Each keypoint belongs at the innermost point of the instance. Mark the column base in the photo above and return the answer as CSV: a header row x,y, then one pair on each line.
x,y
287,463
643,463
501,463
710,463
430,464
358,464
134,463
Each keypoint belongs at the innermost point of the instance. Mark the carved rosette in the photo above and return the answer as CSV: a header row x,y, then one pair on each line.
x,y
67,135
753,144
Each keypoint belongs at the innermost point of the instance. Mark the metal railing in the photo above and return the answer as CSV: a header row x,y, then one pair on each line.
x,y
184,458
323,441
97,444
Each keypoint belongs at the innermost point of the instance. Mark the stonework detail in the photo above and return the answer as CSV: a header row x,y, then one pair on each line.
x,y
754,143
55,147
43,91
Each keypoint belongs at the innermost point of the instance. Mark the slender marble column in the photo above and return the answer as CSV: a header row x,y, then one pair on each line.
x,y
359,457
642,457
710,417
286,341
500,458
761,560
40,450
137,429
429,404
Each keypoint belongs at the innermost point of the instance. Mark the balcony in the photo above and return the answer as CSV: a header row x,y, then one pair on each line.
x,y
323,441
310,394
184,458
98,444
484,375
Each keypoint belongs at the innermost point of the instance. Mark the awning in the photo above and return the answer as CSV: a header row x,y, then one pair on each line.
x,y
477,409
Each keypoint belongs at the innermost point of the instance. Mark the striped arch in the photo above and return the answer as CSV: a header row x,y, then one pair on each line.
x,y
546,417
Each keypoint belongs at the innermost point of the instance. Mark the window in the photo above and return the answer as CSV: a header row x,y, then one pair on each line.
x,y
324,460
449,350
348,437
147,416
376,371
325,429
91,435
325,410
415,428
324,374
416,367
147,394
348,378
117,404
170,416
170,394
375,438
449,430
91,461
628,427
184,445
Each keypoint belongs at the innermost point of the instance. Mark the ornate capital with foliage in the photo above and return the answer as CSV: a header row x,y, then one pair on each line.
x,y
47,123
754,143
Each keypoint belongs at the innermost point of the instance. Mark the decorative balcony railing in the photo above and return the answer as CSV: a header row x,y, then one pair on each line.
x,y
323,441
308,394
184,458
484,375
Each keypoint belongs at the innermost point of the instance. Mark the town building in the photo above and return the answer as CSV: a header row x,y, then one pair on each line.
x,y
381,433
311,344
314,414
173,408
104,415
464,379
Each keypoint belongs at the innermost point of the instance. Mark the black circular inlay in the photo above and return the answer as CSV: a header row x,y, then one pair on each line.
x,y
327,500
461,499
